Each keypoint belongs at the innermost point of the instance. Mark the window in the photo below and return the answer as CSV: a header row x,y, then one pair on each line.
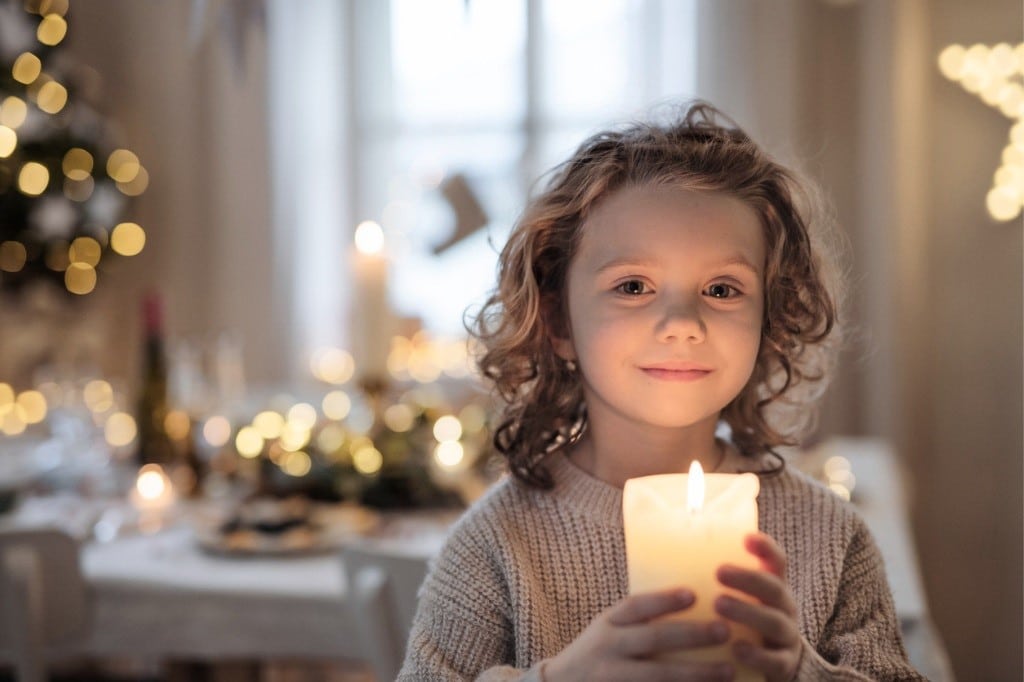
x,y
494,91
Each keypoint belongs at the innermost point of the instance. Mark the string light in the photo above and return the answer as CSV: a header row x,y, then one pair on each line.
x,y
994,74
8,141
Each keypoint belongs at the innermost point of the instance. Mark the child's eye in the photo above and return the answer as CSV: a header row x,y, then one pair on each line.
x,y
633,287
721,290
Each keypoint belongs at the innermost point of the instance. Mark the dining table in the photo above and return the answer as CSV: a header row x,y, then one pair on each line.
x,y
158,594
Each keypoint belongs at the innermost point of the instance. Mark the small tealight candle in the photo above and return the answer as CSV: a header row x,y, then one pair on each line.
x,y
679,529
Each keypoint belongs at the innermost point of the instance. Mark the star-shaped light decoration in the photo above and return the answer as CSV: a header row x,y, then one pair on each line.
x,y
995,75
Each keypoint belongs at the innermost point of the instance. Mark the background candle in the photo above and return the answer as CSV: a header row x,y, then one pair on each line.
x,y
669,545
371,311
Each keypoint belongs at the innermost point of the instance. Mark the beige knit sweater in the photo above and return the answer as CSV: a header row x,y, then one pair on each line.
x,y
525,571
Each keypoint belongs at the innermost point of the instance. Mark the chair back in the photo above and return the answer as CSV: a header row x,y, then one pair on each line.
x,y
382,588
44,596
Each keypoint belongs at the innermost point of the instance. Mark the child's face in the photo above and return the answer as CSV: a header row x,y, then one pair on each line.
x,y
665,299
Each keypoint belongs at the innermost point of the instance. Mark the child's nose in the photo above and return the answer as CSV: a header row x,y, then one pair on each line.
x,y
681,320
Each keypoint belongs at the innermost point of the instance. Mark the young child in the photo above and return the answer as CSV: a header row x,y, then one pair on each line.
x,y
664,285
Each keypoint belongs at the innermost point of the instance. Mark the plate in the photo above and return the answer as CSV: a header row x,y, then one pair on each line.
x,y
322,529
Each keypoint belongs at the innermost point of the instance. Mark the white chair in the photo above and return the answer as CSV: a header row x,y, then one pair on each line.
x,y
44,597
382,589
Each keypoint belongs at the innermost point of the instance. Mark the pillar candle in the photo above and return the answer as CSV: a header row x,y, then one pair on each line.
x,y
679,529
371,312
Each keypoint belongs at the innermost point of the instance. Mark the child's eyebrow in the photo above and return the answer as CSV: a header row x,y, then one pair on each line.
x,y
736,259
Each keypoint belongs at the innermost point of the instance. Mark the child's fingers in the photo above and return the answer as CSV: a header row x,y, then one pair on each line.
x,y
765,587
768,551
650,639
640,608
777,627
774,663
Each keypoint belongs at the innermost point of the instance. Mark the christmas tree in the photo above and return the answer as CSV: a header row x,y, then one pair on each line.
x,y
65,181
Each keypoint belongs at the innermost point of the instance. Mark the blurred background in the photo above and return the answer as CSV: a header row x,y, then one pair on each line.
x,y
252,139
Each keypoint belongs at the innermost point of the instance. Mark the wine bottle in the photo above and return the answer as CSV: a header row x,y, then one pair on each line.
x,y
154,444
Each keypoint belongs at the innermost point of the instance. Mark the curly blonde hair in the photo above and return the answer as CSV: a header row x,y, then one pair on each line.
x,y
544,407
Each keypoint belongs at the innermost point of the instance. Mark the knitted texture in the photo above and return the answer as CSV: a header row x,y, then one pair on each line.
x,y
525,571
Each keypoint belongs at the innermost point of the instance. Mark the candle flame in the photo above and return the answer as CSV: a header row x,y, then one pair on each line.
x,y
695,488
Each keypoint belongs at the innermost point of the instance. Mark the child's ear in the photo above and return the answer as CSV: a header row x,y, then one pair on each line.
x,y
556,325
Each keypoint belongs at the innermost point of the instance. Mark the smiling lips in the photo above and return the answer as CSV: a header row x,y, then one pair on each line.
x,y
681,371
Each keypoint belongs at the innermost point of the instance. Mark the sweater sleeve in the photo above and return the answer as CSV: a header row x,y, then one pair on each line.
x,y
462,628
862,640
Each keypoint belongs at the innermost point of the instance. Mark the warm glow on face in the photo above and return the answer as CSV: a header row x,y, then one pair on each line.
x,y
8,141
120,429
13,111
33,178
127,239
695,488
27,68
12,256
52,29
52,97
80,278
369,237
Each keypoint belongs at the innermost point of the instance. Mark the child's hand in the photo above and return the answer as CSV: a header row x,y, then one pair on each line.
x,y
620,643
774,616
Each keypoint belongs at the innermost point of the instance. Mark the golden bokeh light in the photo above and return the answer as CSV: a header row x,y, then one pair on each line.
x,y
52,97
399,417
127,239
336,405
52,29
27,68
8,141
449,454
296,464
294,436
98,395
178,425
6,397
33,404
332,365
79,190
217,431
268,424
369,237
249,442
302,415
77,163
120,429
330,439
473,418
12,422
122,165
33,178
447,428
152,482
80,278
137,186
12,256
85,250
367,460
13,111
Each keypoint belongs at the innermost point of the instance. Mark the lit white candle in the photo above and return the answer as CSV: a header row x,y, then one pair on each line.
x,y
372,326
679,529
